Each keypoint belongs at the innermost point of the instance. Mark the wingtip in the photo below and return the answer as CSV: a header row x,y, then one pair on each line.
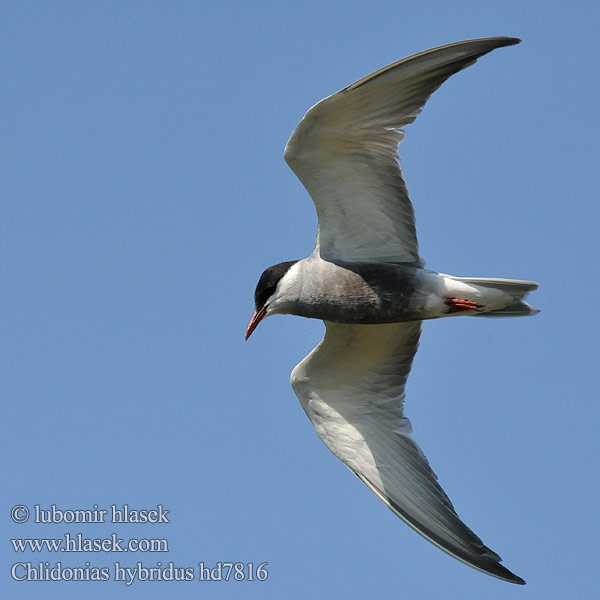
x,y
501,572
512,578
511,41
488,563
497,42
500,42
503,40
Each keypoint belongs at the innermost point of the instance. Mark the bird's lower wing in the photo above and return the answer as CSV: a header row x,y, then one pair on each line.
x,y
352,389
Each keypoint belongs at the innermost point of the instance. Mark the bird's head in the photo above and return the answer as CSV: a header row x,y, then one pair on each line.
x,y
271,295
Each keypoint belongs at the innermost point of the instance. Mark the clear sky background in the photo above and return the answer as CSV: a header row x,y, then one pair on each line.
x,y
144,191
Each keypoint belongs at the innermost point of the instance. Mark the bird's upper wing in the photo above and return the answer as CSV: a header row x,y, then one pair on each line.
x,y
344,151
352,389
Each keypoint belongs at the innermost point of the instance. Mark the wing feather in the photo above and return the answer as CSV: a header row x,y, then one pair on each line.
x,y
352,389
344,151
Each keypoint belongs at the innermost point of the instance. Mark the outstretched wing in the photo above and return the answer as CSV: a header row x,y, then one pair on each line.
x,y
344,151
352,389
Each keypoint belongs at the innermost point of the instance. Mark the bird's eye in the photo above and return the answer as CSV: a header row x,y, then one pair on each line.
x,y
262,295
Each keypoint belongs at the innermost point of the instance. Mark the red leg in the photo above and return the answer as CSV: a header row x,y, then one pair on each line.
x,y
460,304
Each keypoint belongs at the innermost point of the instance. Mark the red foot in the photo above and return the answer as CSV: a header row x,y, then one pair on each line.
x,y
459,304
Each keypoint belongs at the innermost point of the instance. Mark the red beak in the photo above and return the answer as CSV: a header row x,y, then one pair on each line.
x,y
257,317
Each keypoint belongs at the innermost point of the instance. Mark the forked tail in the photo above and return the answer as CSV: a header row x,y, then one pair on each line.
x,y
513,287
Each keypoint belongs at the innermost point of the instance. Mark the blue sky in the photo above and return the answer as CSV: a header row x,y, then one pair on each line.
x,y
144,191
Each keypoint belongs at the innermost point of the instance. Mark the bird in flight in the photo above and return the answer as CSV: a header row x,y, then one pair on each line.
x,y
366,280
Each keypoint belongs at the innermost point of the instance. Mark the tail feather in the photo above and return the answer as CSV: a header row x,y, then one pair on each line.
x,y
518,309
513,287
516,288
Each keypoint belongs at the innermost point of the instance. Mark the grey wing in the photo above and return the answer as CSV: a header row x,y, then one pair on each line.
x,y
352,389
344,151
